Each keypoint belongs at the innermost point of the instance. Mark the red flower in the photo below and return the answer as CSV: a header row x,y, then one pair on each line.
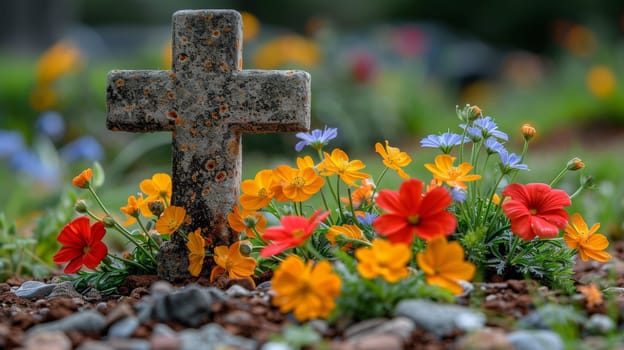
x,y
82,245
408,211
294,231
536,210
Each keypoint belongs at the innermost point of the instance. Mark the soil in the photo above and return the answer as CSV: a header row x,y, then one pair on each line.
x,y
503,301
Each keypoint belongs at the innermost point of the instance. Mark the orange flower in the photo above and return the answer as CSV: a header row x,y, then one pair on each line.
x,y
589,243
383,259
287,50
444,171
593,295
305,162
443,264
309,289
528,131
393,158
251,26
247,221
83,179
362,196
60,59
132,209
230,261
257,193
338,163
157,189
348,231
296,184
197,252
171,219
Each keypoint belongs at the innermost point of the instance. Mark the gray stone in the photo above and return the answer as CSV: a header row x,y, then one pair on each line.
x,y
163,329
485,339
401,326
88,321
95,345
129,344
237,291
207,101
120,311
535,339
377,342
123,328
212,337
48,341
64,290
440,319
189,306
599,324
161,288
34,290
273,345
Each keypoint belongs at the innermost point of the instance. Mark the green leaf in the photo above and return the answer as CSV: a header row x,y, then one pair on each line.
x,y
98,175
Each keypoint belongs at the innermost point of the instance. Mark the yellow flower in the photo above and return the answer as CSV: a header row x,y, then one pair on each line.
x,y
287,49
247,221
60,59
601,81
305,162
393,158
83,179
589,243
348,231
338,163
230,261
251,26
157,189
257,193
593,295
444,171
132,209
362,196
197,252
172,218
295,184
443,264
308,289
384,259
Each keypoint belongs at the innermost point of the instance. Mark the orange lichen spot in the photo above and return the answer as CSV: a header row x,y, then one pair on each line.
x,y
194,178
193,147
170,95
223,108
224,67
214,115
145,92
240,63
183,148
119,82
216,33
220,99
233,146
208,64
193,195
206,191
172,75
211,164
289,73
182,57
221,176
172,114
194,132
228,29
237,44
188,219
184,39
208,123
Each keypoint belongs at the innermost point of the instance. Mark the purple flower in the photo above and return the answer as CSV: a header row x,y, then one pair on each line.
x,y
444,142
87,148
493,146
31,164
458,194
51,124
367,219
316,139
11,142
511,161
484,128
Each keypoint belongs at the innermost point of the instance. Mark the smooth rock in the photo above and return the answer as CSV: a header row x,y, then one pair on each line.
x,y
88,321
485,339
189,306
163,329
535,339
95,345
48,341
273,345
64,290
120,311
161,287
264,286
34,290
123,328
164,342
129,344
237,291
363,327
599,324
213,337
439,319
377,342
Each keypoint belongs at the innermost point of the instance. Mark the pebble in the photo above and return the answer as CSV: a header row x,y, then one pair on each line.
x,y
439,319
237,291
535,339
485,339
164,342
124,327
88,321
377,342
48,341
161,288
64,290
213,337
599,324
273,345
120,311
95,345
189,306
34,290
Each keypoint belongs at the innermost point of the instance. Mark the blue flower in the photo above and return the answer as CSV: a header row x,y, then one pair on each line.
x,y
444,142
484,128
316,139
11,142
493,146
51,124
31,164
458,194
511,161
87,148
367,219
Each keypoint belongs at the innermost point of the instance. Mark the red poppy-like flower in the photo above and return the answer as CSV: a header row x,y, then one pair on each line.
x,y
82,245
409,212
536,210
293,232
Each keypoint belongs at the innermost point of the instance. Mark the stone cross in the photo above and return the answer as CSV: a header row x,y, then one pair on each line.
x,y
207,101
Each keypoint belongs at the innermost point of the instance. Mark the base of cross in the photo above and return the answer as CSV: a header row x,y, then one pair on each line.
x,y
173,262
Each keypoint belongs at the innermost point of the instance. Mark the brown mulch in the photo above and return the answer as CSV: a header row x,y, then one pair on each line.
x,y
504,302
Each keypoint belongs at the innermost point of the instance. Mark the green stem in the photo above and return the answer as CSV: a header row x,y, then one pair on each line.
x,y
559,176
98,200
128,262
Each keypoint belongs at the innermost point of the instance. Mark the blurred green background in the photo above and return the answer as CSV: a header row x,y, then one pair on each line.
x,y
391,69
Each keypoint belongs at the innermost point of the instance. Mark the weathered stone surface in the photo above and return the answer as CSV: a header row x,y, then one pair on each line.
x,y
207,101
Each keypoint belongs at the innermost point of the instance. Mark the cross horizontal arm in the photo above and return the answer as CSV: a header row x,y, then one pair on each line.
x,y
270,101
140,101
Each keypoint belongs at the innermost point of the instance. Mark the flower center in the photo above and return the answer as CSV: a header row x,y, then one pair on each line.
x,y
297,233
533,211
262,192
453,172
298,181
413,219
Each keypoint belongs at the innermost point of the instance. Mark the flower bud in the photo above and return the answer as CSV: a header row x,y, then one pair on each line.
x,y
156,207
80,206
108,222
587,181
245,248
82,180
468,113
575,164
527,131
